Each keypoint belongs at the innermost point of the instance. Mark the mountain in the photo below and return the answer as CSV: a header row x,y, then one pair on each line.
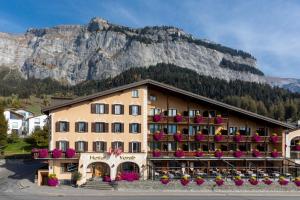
x,y
291,84
75,53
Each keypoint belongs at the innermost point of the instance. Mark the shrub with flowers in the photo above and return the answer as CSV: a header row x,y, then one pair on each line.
x,y
256,138
255,153
178,118
106,178
199,180
70,153
157,118
275,153
267,181
198,119
52,180
274,138
199,153
43,153
178,136
179,153
56,153
165,179
218,153
238,153
238,181
218,136
253,181
297,147
158,135
184,180
219,181
156,153
219,119
283,181
297,181
199,136
130,176
237,137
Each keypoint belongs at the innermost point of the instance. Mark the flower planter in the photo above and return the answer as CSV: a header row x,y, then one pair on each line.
x,y
237,138
179,153
255,153
199,154
199,137
256,138
219,120
219,181
52,180
157,136
56,153
238,182
106,179
275,154
199,181
297,147
238,154
218,138
178,118
43,153
198,119
282,181
165,180
70,153
297,182
274,139
253,181
178,137
157,118
156,153
267,181
218,154
184,181
130,176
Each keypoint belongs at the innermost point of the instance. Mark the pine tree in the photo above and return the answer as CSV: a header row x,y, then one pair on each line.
x,y
3,129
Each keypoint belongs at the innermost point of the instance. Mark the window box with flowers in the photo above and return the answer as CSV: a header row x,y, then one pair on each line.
x,y
275,153
156,153
238,181
179,153
219,119
219,181
256,153
253,181
165,179
267,181
52,180
185,180
274,138
70,153
56,153
256,137
158,135
130,176
178,136
199,136
199,153
297,147
218,137
283,181
218,153
157,118
297,181
237,137
198,119
178,118
238,153
43,153
199,180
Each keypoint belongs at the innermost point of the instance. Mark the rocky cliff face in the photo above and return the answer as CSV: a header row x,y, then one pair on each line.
x,y
291,84
72,54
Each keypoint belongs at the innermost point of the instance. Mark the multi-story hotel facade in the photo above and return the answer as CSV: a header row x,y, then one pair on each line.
x,y
154,129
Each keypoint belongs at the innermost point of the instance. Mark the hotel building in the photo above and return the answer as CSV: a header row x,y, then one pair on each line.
x,y
153,128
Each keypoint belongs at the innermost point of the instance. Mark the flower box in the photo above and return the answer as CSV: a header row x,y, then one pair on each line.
x,y
238,138
56,153
282,181
255,153
158,135
157,118
130,176
238,154
52,180
199,137
256,138
156,153
218,138
179,153
178,137
219,120
199,180
165,180
199,154
219,181
274,138
184,181
218,153
178,118
238,181
43,153
70,153
198,119
297,181
253,181
275,154
267,181
297,147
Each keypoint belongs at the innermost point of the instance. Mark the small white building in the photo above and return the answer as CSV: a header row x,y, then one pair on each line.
x,y
14,122
32,123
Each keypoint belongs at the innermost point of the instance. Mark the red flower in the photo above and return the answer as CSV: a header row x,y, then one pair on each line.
x,y
158,135
179,153
198,119
238,154
199,137
157,118
178,137
56,153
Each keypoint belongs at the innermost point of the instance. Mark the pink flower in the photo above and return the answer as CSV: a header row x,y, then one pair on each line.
x,y
157,118
256,138
218,138
237,138
70,153
274,139
179,153
43,153
178,137
199,181
56,153
199,137
238,182
219,120
238,154
198,119
156,153
199,153
218,153
255,153
158,135
178,118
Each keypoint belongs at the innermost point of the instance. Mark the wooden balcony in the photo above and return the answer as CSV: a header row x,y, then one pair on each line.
x,y
50,156
188,120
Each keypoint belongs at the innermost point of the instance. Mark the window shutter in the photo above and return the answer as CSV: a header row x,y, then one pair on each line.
x,y
76,126
105,146
139,110
86,127
93,127
113,109
57,127
122,128
139,128
67,144
113,127
130,110
85,146
94,146
76,146
105,127
106,108
57,144
113,145
122,146
140,147
122,109
93,108
68,126
130,128
130,147
165,113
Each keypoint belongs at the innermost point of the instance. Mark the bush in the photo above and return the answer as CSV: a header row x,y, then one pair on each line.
x,y
13,138
76,176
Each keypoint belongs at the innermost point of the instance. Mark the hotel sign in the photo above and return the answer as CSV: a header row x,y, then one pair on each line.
x,y
104,157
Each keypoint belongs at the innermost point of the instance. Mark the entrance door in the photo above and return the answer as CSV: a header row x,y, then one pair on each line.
x,y
100,169
44,179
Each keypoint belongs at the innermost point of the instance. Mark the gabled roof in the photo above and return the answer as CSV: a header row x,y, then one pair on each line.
x,y
170,88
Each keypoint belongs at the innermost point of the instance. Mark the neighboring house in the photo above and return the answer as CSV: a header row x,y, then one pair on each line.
x,y
25,113
14,121
33,123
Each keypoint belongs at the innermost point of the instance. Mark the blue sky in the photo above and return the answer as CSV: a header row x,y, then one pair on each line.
x,y
269,30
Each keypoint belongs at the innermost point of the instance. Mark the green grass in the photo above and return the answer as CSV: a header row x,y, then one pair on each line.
x,y
20,147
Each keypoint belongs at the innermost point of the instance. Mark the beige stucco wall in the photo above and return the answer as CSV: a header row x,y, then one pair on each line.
x,y
289,137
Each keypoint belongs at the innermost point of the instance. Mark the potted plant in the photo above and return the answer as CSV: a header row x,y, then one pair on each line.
x,y
238,153
106,178
156,153
283,181
178,118
256,138
274,153
158,135
255,153
297,147
267,181
219,119
237,137
199,136
165,179
218,153
76,176
274,138
219,181
297,181
157,118
56,153
218,137
130,176
199,180
178,136
184,180
199,153
238,181
43,153
179,153
198,119
253,181
52,180
70,153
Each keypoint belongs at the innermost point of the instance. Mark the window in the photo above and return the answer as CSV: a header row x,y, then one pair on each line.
x,y
37,121
99,146
62,145
172,112
262,131
118,109
154,127
135,93
62,126
117,128
100,127
14,125
154,111
211,130
134,147
245,130
117,145
81,127
212,113
232,130
169,146
194,129
134,128
81,146
68,167
172,128
134,110
99,108
193,113
152,98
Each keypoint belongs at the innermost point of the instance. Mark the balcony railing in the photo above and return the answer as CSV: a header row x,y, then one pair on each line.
x,y
36,155
188,120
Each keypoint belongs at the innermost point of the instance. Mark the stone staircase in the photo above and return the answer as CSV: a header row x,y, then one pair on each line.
x,y
98,185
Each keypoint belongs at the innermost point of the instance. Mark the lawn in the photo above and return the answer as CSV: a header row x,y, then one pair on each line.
x,y
20,147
